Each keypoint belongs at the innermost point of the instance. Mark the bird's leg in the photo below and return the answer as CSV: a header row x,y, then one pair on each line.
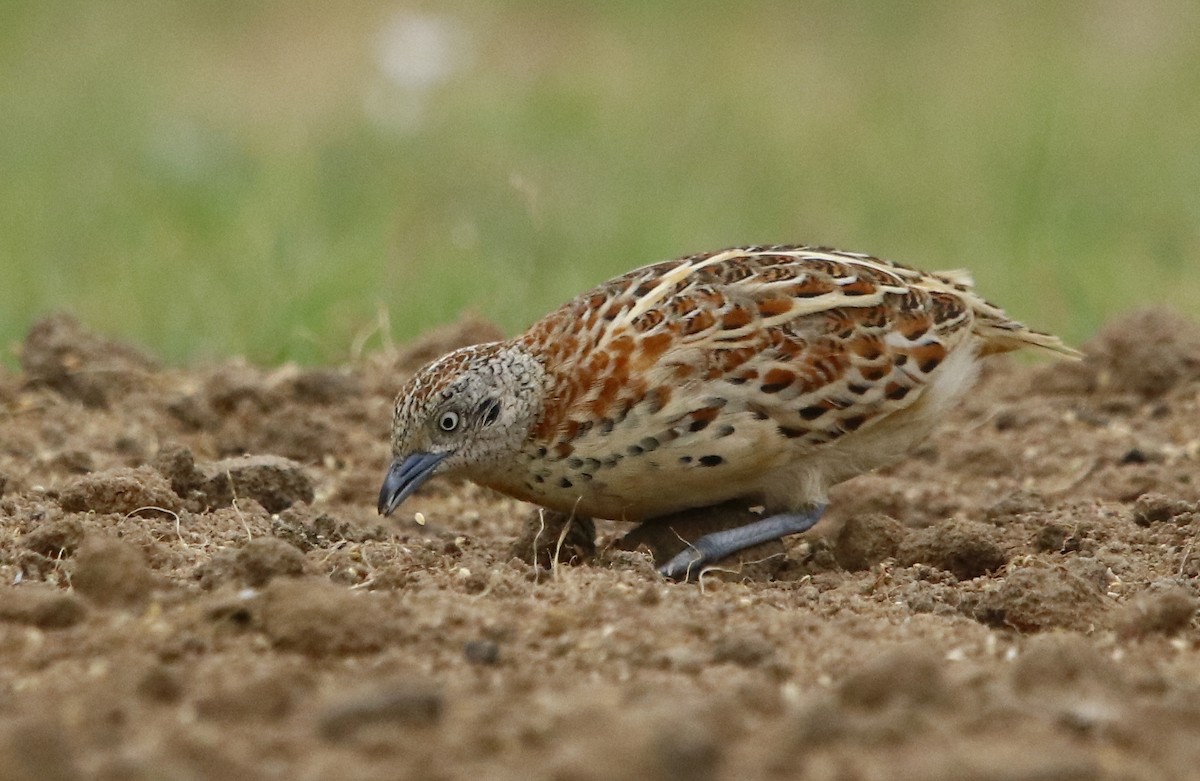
x,y
718,545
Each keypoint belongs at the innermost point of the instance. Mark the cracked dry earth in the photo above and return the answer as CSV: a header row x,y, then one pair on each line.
x,y
194,585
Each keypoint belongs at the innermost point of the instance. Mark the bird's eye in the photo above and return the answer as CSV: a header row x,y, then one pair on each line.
x,y
448,422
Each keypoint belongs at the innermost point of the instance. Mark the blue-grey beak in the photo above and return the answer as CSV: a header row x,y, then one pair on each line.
x,y
404,477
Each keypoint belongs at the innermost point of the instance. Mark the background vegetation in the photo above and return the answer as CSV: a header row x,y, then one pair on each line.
x,y
278,179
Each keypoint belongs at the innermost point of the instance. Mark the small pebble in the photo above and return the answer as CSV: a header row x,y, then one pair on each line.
x,y
410,704
482,652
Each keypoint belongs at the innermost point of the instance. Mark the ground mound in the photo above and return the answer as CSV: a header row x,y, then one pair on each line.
x,y
194,584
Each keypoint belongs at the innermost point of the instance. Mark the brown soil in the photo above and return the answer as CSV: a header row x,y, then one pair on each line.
x,y
195,585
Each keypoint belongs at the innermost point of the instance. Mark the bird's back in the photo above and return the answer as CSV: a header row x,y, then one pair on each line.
x,y
750,359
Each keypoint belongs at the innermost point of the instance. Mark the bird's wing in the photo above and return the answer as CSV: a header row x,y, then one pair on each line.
x,y
822,341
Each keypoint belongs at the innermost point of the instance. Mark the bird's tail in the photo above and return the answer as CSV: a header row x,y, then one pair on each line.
x,y
998,332
1001,334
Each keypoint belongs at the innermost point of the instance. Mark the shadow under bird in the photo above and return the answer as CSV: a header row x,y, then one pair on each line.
x,y
767,374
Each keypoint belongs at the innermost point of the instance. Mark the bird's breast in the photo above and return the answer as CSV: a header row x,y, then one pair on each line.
x,y
651,463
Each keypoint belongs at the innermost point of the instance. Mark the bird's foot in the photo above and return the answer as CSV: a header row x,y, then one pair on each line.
x,y
711,548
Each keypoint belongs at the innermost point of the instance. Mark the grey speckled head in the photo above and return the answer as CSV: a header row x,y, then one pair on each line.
x,y
468,413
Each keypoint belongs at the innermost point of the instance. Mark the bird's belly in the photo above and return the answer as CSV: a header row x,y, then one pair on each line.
x,y
645,482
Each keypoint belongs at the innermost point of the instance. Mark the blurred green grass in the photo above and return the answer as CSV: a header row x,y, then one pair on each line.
x,y
271,179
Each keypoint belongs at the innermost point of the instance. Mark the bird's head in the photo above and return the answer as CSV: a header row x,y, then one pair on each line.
x,y
467,413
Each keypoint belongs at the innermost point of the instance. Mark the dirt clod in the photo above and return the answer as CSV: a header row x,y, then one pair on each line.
x,y
866,540
318,618
907,675
968,549
1015,504
41,606
325,386
1148,352
1060,660
161,683
1044,596
273,481
264,558
111,572
264,697
119,490
1165,612
176,463
56,538
1159,508
406,704
38,750
59,353
743,651
685,752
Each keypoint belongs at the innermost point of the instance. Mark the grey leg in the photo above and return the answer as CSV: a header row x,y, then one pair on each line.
x,y
718,545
